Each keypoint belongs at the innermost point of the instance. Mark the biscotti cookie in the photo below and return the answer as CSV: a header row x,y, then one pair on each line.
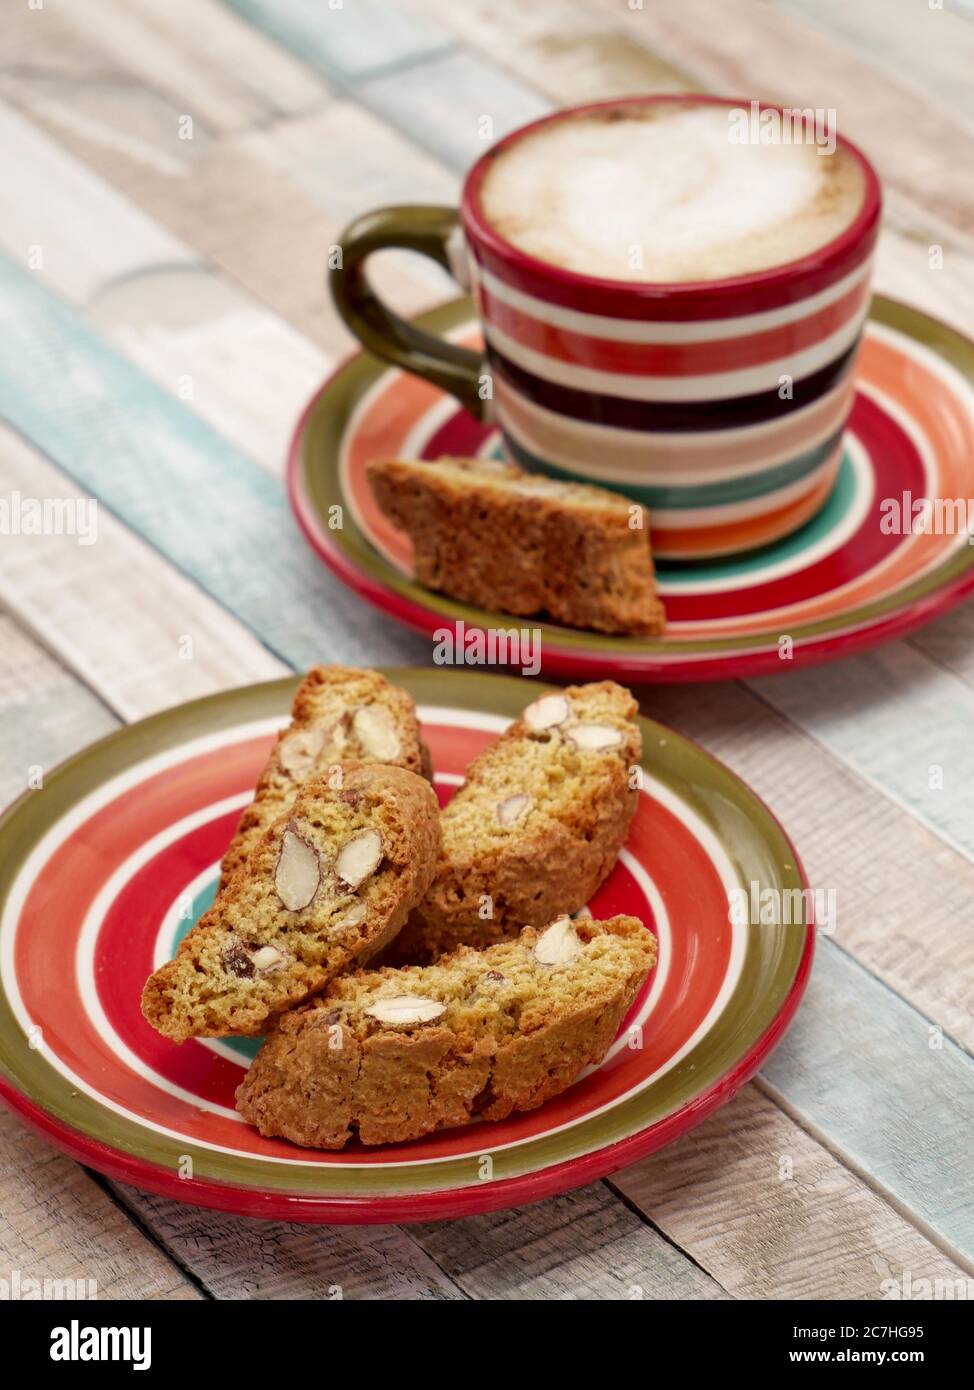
x,y
325,888
393,1054
536,826
487,532
339,715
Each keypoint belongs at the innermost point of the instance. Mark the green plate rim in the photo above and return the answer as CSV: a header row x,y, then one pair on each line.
x,y
759,851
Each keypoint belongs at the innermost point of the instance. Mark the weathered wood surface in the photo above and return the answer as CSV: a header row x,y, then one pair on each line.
x,y
164,344
58,1223
770,1213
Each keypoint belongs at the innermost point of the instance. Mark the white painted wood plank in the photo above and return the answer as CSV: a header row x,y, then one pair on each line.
x,y
237,364
950,642
881,1087
245,370
900,721
771,1214
904,269
347,41
210,33
926,45
236,1258
557,46
455,105
57,1223
347,160
43,189
134,629
205,190
902,896
315,153
199,501
112,113
46,715
582,1245
201,56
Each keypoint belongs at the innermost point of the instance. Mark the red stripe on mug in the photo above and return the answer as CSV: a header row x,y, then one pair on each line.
x,y
673,359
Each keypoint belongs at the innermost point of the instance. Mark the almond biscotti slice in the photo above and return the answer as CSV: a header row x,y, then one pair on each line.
x,y
487,532
339,714
393,1054
325,888
536,826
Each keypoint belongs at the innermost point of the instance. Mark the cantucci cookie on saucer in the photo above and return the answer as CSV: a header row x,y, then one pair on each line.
x,y
339,715
537,825
324,889
487,532
389,1055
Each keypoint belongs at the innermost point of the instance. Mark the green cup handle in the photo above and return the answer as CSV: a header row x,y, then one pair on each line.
x,y
427,230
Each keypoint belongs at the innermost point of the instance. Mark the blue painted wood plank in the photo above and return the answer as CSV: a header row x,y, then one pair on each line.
x,y
887,1092
198,499
404,68
455,106
901,721
46,715
350,40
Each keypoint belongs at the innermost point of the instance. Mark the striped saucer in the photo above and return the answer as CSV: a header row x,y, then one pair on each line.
x,y
843,582
103,871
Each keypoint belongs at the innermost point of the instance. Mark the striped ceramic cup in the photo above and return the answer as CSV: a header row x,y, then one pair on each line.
x,y
715,392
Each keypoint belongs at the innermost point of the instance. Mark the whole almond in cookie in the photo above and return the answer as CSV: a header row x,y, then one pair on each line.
x,y
376,732
298,874
558,944
405,1008
358,858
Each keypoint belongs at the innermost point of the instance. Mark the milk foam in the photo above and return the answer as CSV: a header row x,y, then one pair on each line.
x,y
662,193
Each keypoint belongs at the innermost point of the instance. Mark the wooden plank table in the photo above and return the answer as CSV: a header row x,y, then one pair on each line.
x,y
174,170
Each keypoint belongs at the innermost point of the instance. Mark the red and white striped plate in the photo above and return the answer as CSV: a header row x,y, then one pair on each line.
x,y
105,868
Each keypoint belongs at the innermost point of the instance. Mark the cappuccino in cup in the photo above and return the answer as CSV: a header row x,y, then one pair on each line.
x,y
667,193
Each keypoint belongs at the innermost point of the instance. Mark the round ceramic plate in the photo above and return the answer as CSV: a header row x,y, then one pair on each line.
x,y
103,870
841,583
